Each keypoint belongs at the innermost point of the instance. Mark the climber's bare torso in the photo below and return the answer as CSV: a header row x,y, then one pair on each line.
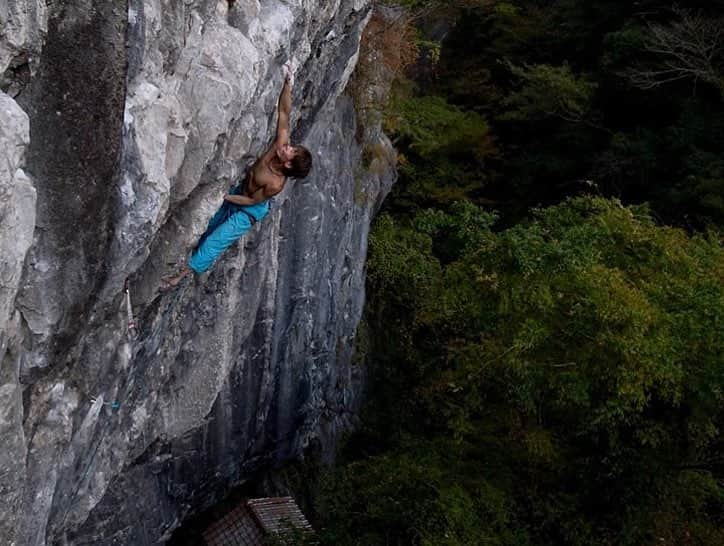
x,y
264,177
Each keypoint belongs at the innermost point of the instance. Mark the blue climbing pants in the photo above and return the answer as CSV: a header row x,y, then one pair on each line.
x,y
228,224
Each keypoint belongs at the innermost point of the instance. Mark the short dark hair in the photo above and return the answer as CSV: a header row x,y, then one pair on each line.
x,y
301,163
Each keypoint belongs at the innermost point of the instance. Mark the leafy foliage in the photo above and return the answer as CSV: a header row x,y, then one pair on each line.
x,y
444,149
560,88
549,91
551,373
560,382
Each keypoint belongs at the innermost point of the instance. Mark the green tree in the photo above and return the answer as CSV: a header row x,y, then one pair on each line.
x,y
560,382
444,150
549,91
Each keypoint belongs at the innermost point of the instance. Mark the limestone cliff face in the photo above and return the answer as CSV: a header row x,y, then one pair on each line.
x,y
122,125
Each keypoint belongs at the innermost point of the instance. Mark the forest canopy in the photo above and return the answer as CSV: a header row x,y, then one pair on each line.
x,y
545,316
559,382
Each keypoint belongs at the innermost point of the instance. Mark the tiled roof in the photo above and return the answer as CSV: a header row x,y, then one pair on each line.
x,y
248,523
237,528
278,514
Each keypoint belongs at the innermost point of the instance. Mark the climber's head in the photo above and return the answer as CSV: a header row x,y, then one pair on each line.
x,y
297,160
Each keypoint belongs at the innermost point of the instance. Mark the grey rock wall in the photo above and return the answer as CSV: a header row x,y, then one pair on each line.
x,y
122,125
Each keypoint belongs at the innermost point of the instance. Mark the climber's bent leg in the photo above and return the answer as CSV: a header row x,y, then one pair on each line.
x,y
223,214
219,240
224,236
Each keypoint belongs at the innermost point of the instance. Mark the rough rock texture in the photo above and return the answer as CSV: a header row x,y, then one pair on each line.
x,y
130,120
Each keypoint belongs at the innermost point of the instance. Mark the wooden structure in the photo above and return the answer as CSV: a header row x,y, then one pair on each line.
x,y
253,520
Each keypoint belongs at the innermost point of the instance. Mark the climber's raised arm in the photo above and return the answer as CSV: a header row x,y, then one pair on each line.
x,y
284,109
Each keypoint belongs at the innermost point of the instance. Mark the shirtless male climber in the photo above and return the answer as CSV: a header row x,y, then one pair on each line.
x,y
249,204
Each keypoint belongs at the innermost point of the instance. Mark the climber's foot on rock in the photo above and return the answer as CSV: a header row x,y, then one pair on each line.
x,y
172,281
